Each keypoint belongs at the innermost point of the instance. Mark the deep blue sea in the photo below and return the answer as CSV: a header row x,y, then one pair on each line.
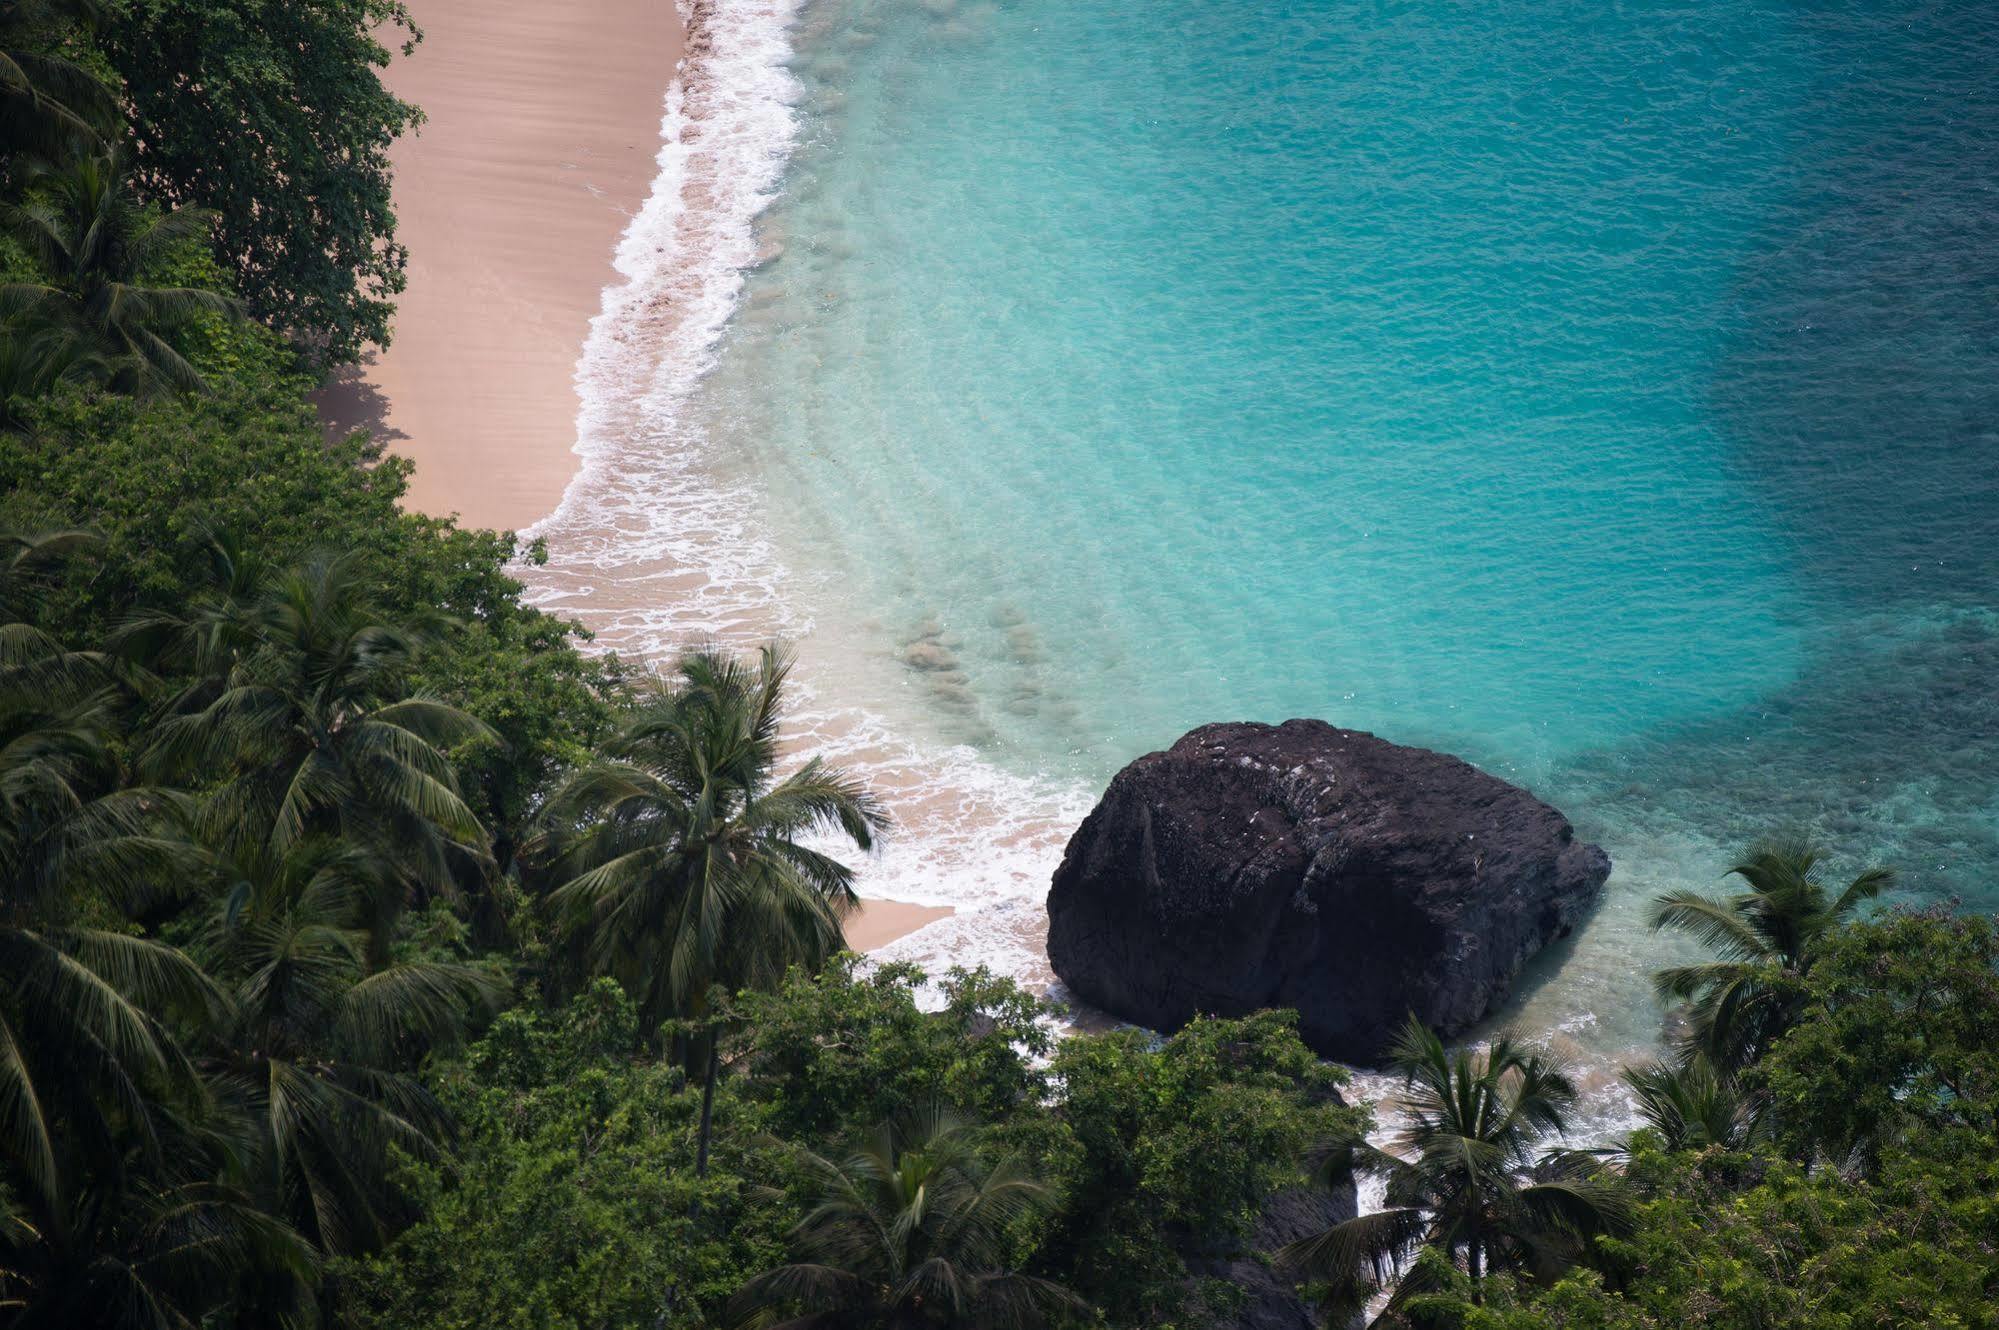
x,y
1605,392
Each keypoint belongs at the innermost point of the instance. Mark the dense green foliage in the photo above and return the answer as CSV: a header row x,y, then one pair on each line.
x,y
273,114
1902,1040
1172,1150
572,1201
1465,1180
574,1191
371,956
1877,1202
156,479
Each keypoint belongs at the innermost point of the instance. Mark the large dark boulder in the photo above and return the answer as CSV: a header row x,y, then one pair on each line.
x,y
1305,866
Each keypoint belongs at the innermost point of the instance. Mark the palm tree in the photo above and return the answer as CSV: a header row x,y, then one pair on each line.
x,y
1768,939
39,678
684,851
313,1053
101,251
314,718
1693,1107
1465,1181
90,1071
164,1248
28,560
82,1043
218,625
36,357
910,1232
49,101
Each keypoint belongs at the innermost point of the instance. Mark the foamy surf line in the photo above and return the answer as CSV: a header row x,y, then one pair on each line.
x,y
652,550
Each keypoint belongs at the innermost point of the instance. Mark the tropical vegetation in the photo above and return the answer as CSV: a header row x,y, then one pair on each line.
x,y
1767,938
914,1228
1464,1178
374,954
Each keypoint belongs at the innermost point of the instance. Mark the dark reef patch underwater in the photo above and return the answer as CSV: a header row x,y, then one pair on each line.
x,y
1860,389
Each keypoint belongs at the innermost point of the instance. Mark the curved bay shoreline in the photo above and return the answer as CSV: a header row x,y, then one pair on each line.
x,y
539,145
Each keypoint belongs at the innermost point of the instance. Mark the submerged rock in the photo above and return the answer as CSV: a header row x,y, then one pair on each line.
x,y
1305,866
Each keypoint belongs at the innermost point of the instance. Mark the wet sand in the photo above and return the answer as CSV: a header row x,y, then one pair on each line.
x,y
543,125
879,923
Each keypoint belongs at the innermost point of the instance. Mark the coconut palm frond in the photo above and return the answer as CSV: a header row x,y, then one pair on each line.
x,y
1767,937
911,1227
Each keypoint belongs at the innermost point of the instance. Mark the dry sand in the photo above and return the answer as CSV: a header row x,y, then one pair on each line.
x,y
542,129
543,123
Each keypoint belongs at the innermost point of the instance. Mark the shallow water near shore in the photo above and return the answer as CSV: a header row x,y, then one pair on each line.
x,y
1603,393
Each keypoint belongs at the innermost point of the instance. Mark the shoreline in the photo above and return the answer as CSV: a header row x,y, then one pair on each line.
x,y
880,922
541,133
661,540
541,147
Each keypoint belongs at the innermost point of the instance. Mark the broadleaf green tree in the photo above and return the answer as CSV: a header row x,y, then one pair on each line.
x,y
1899,1035
1167,1153
570,1198
855,1033
274,115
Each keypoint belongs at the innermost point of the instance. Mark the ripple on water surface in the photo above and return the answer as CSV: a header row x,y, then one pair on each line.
x,y
1604,393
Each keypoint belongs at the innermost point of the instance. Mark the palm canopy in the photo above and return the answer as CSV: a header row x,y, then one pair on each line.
x,y
1766,939
101,250
37,357
217,626
1463,1176
48,100
909,1231
85,1054
314,1052
38,676
1694,1107
685,853
28,563
166,1247
308,707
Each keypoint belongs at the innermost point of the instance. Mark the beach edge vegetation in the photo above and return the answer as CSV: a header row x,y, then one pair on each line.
x,y
373,955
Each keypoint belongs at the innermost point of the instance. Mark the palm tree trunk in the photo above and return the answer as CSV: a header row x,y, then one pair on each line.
x,y
707,1104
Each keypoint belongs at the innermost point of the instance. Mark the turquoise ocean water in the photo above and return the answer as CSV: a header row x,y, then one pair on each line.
x,y
1605,392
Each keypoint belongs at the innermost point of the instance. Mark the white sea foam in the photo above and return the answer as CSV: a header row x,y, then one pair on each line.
x,y
657,543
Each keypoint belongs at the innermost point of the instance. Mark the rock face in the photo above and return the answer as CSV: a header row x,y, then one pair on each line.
x,y
1305,866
